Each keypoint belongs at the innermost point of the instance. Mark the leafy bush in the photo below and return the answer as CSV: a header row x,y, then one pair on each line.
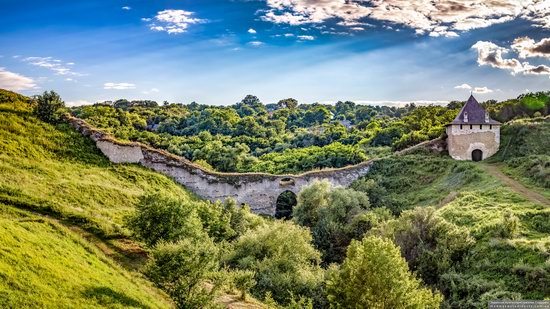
x,y
430,244
283,260
161,218
374,275
182,269
329,212
47,106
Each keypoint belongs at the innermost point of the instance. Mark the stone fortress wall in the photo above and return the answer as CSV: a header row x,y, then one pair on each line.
x,y
259,190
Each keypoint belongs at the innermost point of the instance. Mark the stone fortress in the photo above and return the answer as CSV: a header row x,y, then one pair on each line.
x,y
473,135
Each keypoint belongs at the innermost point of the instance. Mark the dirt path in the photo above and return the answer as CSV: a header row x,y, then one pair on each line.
x,y
516,186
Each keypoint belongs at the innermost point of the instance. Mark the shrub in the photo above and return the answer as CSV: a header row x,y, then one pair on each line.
x,y
160,218
47,106
182,269
374,275
283,259
329,212
430,244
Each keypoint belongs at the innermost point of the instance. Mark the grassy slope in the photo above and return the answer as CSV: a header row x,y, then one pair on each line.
x,y
54,171
44,264
469,197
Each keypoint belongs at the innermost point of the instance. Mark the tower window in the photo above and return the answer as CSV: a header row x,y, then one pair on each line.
x,y
490,127
470,127
460,127
480,126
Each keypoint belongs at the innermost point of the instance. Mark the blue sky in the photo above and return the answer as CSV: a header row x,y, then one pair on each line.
x,y
216,52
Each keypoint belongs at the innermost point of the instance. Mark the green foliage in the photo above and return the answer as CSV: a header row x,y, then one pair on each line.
x,y
374,275
329,212
44,264
182,268
158,218
430,245
48,106
283,260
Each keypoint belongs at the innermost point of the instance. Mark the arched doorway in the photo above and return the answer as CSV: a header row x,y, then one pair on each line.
x,y
285,202
477,155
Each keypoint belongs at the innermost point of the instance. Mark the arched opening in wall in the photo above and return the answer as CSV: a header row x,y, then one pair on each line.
x,y
477,155
285,202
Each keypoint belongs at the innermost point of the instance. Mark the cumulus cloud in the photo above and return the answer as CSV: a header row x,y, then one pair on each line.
x,y
252,31
492,55
463,86
173,21
527,47
15,82
119,86
78,103
55,65
437,18
126,8
306,37
482,90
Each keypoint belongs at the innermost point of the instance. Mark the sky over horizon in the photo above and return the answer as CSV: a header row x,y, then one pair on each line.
x,y
216,52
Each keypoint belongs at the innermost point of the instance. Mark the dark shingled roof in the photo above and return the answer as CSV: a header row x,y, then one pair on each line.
x,y
476,114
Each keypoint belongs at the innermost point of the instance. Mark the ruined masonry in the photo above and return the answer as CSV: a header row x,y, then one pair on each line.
x,y
259,190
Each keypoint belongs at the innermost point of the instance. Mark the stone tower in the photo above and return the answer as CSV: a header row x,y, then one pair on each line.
x,y
473,135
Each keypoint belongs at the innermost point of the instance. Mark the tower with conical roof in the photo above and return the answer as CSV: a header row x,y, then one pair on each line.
x,y
473,135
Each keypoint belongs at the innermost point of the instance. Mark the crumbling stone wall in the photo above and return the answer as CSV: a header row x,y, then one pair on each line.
x,y
461,142
259,190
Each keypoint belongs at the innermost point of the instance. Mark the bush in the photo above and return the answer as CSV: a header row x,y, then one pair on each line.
x,y
182,269
160,218
283,259
47,106
430,244
374,275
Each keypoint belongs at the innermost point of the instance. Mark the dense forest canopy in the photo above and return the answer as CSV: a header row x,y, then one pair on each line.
x,y
286,137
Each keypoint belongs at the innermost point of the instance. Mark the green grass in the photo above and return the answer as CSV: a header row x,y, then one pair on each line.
x,y
467,196
56,171
45,265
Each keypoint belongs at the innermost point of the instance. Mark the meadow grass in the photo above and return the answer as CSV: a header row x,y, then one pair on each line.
x,y
44,264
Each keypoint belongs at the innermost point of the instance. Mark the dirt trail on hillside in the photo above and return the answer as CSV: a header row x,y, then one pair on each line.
x,y
516,186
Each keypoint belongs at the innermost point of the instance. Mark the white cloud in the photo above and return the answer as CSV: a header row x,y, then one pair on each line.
x,y
146,19
527,47
52,64
152,90
119,86
306,37
174,21
256,43
288,35
492,55
398,103
482,90
252,31
78,103
463,86
437,18
126,8
15,82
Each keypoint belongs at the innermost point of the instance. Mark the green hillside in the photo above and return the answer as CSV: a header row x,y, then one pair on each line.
x,y
45,265
510,257
52,177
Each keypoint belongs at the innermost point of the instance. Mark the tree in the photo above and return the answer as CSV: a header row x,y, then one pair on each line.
x,y
182,268
374,275
48,105
289,103
283,259
159,218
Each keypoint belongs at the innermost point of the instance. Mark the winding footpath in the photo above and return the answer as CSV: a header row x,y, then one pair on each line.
x,y
531,195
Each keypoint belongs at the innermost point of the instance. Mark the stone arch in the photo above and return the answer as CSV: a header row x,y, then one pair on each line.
x,y
284,204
